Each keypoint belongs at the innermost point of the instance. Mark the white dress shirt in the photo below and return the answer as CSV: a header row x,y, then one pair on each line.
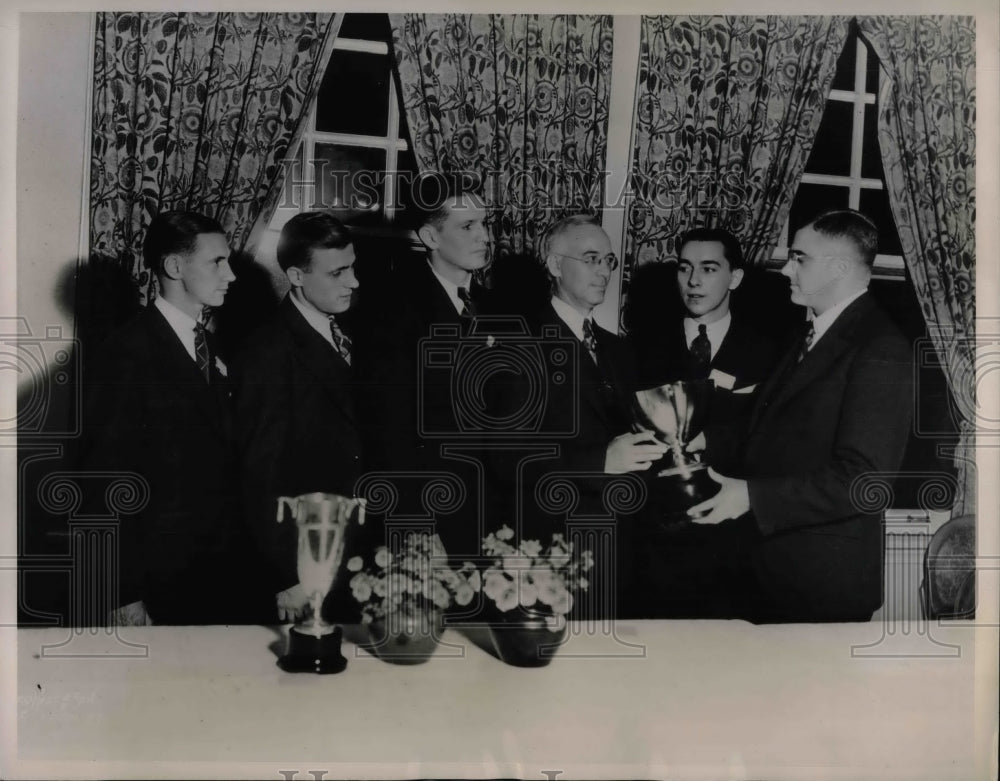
x,y
181,322
315,318
570,316
450,288
822,323
716,331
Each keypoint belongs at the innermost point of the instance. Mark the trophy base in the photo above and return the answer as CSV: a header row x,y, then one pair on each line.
x,y
679,489
310,654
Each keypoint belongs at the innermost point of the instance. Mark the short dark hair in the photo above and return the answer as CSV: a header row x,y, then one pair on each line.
x,y
174,232
852,225
435,192
558,228
307,231
731,249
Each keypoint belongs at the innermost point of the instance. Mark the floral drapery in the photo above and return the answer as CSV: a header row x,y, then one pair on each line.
x,y
521,100
926,125
726,114
196,111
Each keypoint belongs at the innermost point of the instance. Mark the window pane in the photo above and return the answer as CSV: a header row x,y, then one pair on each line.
x,y
291,191
349,180
844,79
354,96
871,156
874,204
367,27
831,153
811,200
405,212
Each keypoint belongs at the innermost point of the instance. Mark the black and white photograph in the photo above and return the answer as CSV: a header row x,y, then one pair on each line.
x,y
483,393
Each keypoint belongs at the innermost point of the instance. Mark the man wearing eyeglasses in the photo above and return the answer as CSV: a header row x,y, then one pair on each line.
x,y
586,425
834,414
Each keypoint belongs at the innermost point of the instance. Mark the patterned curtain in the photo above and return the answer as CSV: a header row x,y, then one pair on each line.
x,y
521,100
726,114
926,125
196,111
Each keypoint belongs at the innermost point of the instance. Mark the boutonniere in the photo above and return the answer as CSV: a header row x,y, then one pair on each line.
x,y
490,340
221,367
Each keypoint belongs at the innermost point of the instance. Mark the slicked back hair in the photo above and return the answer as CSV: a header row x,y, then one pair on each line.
x,y
174,232
852,225
730,244
308,231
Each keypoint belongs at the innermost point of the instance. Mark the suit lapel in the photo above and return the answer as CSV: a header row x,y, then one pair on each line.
x,y
788,380
178,363
589,375
319,358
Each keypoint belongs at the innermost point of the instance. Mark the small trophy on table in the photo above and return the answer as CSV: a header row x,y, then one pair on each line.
x,y
323,521
675,413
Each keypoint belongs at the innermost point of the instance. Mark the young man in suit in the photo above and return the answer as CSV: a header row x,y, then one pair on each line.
x,y
835,413
685,562
296,423
409,412
157,404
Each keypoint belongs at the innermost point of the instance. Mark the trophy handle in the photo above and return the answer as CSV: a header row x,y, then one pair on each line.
x,y
291,503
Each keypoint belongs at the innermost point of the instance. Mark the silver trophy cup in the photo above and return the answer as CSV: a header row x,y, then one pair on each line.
x,y
675,412
322,521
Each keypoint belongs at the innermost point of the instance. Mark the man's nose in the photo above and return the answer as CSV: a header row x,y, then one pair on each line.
x,y
787,270
227,272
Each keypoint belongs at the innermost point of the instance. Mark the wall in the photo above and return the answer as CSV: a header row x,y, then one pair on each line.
x,y
53,81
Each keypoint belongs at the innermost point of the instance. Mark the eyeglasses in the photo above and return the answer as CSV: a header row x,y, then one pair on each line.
x,y
797,256
594,260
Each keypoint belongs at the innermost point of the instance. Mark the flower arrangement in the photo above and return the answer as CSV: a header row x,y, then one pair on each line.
x,y
532,577
412,581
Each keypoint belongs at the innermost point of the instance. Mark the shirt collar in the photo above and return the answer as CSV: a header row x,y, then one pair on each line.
x,y
716,331
570,316
450,288
180,322
315,318
821,323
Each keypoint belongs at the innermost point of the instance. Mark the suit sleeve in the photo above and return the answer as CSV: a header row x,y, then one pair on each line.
x,y
871,437
114,440
262,407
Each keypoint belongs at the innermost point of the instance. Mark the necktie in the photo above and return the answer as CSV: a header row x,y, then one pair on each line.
x,y
202,352
807,340
341,341
701,352
590,340
468,305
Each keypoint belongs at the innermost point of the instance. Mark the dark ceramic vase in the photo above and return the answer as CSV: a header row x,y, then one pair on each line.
x,y
522,637
406,637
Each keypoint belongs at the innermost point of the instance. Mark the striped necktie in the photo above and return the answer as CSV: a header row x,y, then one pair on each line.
x,y
202,352
341,341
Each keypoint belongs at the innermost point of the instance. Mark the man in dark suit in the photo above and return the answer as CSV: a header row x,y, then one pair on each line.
x,y
157,405
295,417
409,412
835,413
683,562
587,420
709,342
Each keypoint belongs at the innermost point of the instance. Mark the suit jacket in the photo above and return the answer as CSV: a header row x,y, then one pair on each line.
x,y
406,399
150,411
297,429
582,408
819,429
746,355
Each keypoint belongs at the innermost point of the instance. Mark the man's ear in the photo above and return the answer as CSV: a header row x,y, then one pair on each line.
x,y
552,264
294,274
428,236
735,278
173,266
